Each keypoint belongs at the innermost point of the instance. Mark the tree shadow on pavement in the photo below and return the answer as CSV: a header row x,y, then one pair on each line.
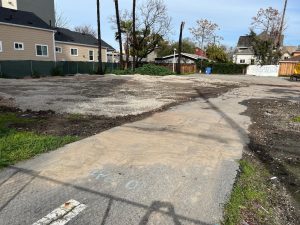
x,y
155,207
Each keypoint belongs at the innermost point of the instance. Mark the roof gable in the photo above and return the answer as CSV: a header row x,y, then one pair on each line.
x,y
244,41
17,17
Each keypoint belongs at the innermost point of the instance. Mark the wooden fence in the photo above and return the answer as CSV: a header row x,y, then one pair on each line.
x,y
287,68
185,68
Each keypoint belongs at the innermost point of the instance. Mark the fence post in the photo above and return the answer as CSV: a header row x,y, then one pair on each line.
x,y
31,67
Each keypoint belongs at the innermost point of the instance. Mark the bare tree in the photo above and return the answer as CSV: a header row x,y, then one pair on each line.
x,y
100,69
119,31
267,20
86,29
153,24
205,32
60,20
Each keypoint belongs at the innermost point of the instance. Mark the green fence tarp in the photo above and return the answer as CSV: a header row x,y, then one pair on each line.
x,y
21,69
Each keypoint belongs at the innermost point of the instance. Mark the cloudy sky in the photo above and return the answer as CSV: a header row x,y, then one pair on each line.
x,y
233,16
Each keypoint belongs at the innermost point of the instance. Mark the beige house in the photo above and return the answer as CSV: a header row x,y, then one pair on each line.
x,y
75,46
24,36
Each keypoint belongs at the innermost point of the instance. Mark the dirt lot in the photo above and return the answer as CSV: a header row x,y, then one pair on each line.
x,y
86,105
275,138
103,96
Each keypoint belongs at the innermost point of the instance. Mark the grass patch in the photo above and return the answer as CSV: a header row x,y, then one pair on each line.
x,y
75,117
296,119
20,145
250,199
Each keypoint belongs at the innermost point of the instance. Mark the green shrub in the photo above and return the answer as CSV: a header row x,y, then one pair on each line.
x,y
57,71
222,68
148,69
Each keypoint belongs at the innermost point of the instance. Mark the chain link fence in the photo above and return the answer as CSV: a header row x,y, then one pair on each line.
x,y
26,68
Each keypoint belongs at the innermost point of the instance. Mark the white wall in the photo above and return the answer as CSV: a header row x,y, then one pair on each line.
x,y
247,59
264,71
11,4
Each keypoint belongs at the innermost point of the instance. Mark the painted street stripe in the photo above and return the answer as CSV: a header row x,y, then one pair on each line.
x,y
63,214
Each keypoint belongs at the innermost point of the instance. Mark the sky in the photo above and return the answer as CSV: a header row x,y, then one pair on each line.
x,y
232,16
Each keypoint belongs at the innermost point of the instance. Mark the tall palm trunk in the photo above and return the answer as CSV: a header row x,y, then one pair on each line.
x,y
100,69
134,33
119,32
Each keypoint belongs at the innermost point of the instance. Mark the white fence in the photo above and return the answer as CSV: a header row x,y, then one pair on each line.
x,y
263,71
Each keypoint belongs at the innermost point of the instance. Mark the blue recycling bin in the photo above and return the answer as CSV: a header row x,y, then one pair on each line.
x,y
208,70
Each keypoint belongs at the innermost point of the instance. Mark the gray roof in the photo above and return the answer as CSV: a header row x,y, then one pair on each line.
x,y
66,35
244,41
185,55
23,18
247,51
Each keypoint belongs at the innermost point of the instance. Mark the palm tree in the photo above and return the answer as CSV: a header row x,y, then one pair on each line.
x,y
119,32
134,33
100,69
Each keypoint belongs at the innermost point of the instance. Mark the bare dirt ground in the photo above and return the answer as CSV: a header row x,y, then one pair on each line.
x,y
109,96
85,105
275,138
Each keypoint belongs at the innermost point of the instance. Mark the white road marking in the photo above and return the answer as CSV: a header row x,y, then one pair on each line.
x,y
63,214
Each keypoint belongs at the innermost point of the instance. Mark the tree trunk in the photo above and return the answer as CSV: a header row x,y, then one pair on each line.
x,y
127,51
119,32
100,69
134,34
180,49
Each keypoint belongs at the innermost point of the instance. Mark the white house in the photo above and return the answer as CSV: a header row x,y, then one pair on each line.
x,y
244,53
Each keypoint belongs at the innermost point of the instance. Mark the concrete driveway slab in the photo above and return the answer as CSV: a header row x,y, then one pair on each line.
x,y
175,167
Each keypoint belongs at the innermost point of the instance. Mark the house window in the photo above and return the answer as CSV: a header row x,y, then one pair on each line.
x,y
91,55
74,51
242,61
252,61
19,46
42,50
58,49
1,49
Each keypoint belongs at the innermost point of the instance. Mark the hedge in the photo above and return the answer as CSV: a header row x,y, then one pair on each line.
x,y
223,68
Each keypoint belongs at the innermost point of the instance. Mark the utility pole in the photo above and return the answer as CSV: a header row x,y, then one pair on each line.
x,y
180,49
100,68
282,25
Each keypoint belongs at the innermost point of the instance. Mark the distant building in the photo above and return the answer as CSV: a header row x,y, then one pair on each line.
x,y
186,59
44,9
200,52
24,36
287,52
296,52
244,53
75,46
